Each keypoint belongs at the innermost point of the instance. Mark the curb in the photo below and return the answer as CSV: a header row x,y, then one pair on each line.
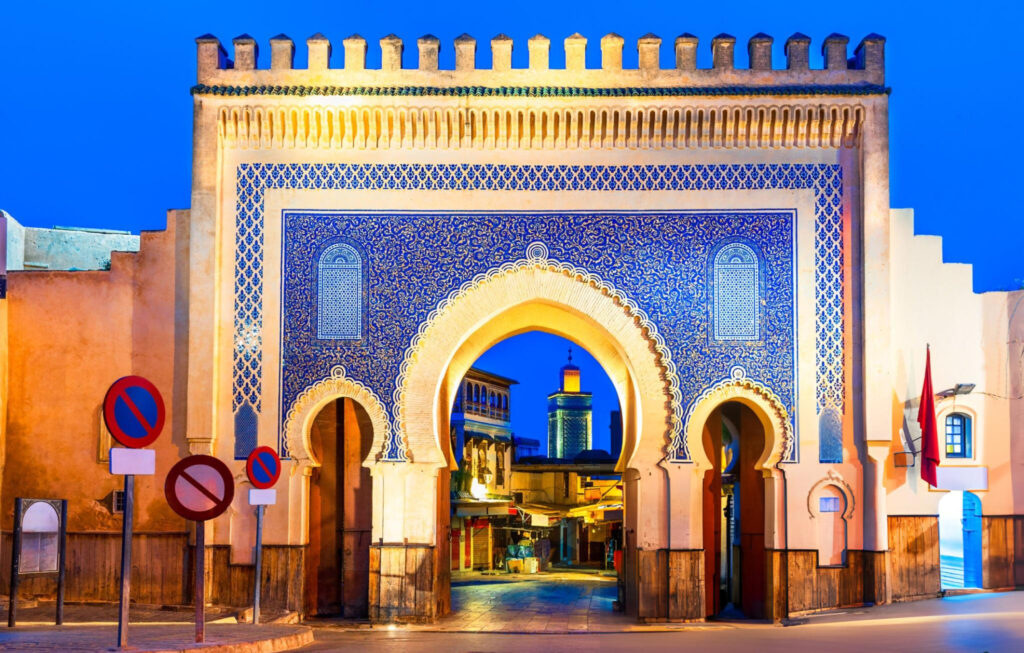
x,y
303,637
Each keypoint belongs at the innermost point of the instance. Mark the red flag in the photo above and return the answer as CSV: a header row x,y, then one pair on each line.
x,y
929,429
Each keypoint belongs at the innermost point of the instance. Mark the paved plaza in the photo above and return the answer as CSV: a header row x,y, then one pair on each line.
x,y
992,622
558,602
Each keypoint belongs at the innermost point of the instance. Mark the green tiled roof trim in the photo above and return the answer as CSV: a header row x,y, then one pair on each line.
x,y
544,91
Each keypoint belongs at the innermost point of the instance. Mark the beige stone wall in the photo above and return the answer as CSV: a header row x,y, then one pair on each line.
x,y
933,302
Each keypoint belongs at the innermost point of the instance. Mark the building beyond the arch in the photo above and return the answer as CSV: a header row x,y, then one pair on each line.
x,y
721,239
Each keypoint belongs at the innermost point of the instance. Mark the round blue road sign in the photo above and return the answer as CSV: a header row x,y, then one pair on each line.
x,y
134,411
263,467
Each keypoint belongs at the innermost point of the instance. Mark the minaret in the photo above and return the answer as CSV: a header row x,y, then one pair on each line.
x,y
569,415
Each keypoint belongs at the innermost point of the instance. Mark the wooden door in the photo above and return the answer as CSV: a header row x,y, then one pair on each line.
x,y
751,522
972,540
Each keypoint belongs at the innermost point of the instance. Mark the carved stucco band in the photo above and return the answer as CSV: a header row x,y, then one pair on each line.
x,y
739,387
530,126
662,366
299,420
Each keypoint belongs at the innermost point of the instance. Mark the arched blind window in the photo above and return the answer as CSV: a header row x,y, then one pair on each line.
x,y
340,294
736,294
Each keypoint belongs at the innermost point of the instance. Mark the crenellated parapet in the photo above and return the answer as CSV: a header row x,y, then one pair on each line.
x,y
219,73
762,105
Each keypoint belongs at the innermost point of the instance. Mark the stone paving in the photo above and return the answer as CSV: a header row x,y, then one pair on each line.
x,y
93,627
534,603
220,638
969,624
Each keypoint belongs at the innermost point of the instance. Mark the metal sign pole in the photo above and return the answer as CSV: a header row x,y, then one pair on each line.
x,y
200,582
259,566
126,560
12,610
62,560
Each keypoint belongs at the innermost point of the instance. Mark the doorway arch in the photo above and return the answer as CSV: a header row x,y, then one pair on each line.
x,y
337,558
340,511
740,516
535,294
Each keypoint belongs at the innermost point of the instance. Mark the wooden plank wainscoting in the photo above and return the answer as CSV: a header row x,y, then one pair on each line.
x,y
159,573
1018,550
669,584
231,584
998,552
812,588
162,565
402,583
914,557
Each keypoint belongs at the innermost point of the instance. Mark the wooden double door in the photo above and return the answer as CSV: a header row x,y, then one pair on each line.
x,y
734,549
340,513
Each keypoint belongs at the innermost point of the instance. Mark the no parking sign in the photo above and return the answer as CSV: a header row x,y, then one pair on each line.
x,y
263,467
134,412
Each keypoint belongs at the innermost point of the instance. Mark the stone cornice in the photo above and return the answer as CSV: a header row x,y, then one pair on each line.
x,y
788,90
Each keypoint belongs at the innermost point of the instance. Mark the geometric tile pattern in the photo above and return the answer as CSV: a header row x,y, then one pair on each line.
x,y
253,179
658,260
546,91
736,292
339,294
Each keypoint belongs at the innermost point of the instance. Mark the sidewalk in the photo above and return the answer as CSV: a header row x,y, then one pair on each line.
x,y
93,627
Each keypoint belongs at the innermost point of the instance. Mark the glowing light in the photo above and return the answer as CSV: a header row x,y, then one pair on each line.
x,y
478,490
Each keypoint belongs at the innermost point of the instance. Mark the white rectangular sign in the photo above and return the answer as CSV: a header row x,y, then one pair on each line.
x,y
962,478
140,462
262,497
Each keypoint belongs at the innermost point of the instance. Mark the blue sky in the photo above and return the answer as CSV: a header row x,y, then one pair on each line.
x,y
538,377
97,114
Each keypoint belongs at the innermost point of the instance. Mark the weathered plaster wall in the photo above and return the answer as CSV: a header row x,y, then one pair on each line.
x,y
64,248
72,334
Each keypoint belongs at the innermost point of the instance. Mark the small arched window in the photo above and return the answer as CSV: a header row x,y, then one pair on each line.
x,y
737,293
958,436
340,293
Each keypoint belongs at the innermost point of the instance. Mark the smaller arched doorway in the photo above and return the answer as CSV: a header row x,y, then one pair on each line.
x,y
734,513
340,511
960,540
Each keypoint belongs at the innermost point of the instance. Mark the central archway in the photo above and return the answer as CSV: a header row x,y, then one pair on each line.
x,y
542,295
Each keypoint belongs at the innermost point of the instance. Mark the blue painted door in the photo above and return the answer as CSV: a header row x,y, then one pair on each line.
x,y
972,540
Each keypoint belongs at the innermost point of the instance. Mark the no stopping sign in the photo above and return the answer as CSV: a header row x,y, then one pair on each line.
x,y
199,487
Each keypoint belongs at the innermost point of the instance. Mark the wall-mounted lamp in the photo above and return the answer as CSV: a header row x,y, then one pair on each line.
x,y
958,389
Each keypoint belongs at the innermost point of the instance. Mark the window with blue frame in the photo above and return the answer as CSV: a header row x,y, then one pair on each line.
x,y
340,294
737,293
958,436
828,504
